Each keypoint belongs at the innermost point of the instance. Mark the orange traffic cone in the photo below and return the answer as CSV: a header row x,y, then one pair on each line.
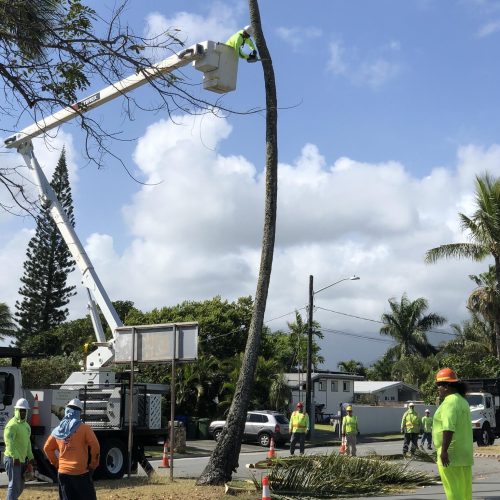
x,y
35,416
272,452
266,495
164,460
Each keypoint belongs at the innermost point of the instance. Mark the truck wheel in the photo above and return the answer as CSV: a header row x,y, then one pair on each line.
x,y
485,438
217,434
113,460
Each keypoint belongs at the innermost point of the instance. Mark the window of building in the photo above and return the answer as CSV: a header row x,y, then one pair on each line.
x,y
334,386
346,386
322,385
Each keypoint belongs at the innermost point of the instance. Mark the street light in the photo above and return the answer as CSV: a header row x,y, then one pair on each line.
x,y
312,293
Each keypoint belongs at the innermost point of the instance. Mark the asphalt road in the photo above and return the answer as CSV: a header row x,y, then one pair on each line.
x,y
486,471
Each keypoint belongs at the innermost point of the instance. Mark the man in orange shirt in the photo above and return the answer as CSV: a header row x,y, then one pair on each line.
x,y
72,438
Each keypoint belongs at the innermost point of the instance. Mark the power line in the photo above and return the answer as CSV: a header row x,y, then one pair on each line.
x,y
287,314
358,335
376,321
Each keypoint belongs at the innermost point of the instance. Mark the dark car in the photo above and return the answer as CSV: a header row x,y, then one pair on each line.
x,y
260,426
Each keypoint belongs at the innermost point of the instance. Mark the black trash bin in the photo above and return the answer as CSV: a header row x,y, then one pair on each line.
x,y
203,424
192,428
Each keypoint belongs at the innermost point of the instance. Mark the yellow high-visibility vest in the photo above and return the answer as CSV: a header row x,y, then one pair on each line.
x,y
299,422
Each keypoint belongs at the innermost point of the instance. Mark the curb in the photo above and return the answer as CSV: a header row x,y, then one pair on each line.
x,y
487,455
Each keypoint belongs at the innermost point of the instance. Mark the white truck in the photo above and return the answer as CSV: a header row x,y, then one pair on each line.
x,y
483,396
122,424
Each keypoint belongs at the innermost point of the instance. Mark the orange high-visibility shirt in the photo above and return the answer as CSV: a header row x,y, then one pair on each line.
x,y
74,451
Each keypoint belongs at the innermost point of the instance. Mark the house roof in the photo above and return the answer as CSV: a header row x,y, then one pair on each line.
x,y
292,379
374,386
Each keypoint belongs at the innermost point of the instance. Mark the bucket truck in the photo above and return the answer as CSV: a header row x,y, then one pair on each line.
x,y
108,407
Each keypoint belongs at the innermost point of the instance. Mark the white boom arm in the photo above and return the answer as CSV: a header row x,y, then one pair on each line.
x,y
219,66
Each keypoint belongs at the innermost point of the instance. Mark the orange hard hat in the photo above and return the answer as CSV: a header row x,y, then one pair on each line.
x,y
446,375
300,405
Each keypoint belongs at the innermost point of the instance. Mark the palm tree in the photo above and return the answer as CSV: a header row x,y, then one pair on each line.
x,y
224,458
474,336
407,325
7,325
483,228
352,366
280,394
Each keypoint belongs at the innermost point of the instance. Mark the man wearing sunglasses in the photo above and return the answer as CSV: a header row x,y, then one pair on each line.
x,y
452,436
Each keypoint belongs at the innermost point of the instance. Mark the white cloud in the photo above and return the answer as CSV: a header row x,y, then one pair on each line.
x,y
373,70
220,22
198,232
298,37
489,28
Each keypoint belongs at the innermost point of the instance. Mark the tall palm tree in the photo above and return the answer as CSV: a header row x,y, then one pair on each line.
x,y
224,459
7,325
483,229
473,336
408,324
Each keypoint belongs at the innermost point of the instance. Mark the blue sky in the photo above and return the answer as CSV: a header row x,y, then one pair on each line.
x,y
388,110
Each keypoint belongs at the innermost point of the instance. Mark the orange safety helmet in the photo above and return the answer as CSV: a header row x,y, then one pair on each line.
x,y
300,405
446,375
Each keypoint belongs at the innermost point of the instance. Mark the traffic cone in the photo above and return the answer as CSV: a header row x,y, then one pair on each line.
x,y
266,495
164,460
35,416
272,452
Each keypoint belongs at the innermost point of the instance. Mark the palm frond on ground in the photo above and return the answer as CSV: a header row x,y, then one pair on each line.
x,y
330,476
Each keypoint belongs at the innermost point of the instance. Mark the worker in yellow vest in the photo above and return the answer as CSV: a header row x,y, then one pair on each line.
x,y
410,427
299,427
350,431
452,436
239,40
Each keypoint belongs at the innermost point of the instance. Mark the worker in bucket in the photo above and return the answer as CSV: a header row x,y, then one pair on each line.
x,y
452,436
75,465
350,431
410,427
239,40
299,427
18,455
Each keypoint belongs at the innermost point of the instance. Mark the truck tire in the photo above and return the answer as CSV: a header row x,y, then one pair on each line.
x,y
217,434
485,437
113,459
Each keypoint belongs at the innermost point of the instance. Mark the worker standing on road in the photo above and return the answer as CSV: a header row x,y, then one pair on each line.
x,y
18,454
427,430
299,427
452,436
239,40
350,431
73,439
410,427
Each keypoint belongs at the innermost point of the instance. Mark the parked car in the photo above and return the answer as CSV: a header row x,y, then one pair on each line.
x,y
260,426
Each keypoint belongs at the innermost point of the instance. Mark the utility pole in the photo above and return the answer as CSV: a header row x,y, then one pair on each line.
x,y
309,408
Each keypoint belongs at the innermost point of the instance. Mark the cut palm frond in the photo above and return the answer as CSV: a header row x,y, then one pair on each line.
x,y
330,476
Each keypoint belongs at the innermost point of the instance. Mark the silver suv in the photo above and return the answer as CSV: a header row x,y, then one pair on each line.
x,y
260,426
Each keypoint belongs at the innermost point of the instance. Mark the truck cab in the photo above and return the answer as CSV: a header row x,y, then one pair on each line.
x,y
483,396
484,424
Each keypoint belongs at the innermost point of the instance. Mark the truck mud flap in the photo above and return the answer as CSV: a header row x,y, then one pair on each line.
x,y
44,467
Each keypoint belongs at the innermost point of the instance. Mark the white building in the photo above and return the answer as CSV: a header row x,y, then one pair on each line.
x,y
329,390
380,392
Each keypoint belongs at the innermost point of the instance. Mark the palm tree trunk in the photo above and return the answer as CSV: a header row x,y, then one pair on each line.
x,y
224,459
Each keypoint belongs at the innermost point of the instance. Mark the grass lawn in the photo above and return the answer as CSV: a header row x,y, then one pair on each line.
x,y
137,488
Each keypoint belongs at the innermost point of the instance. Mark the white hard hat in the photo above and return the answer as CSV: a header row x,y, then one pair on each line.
x,y
248,29
411,404
76,403
427,411
22,404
